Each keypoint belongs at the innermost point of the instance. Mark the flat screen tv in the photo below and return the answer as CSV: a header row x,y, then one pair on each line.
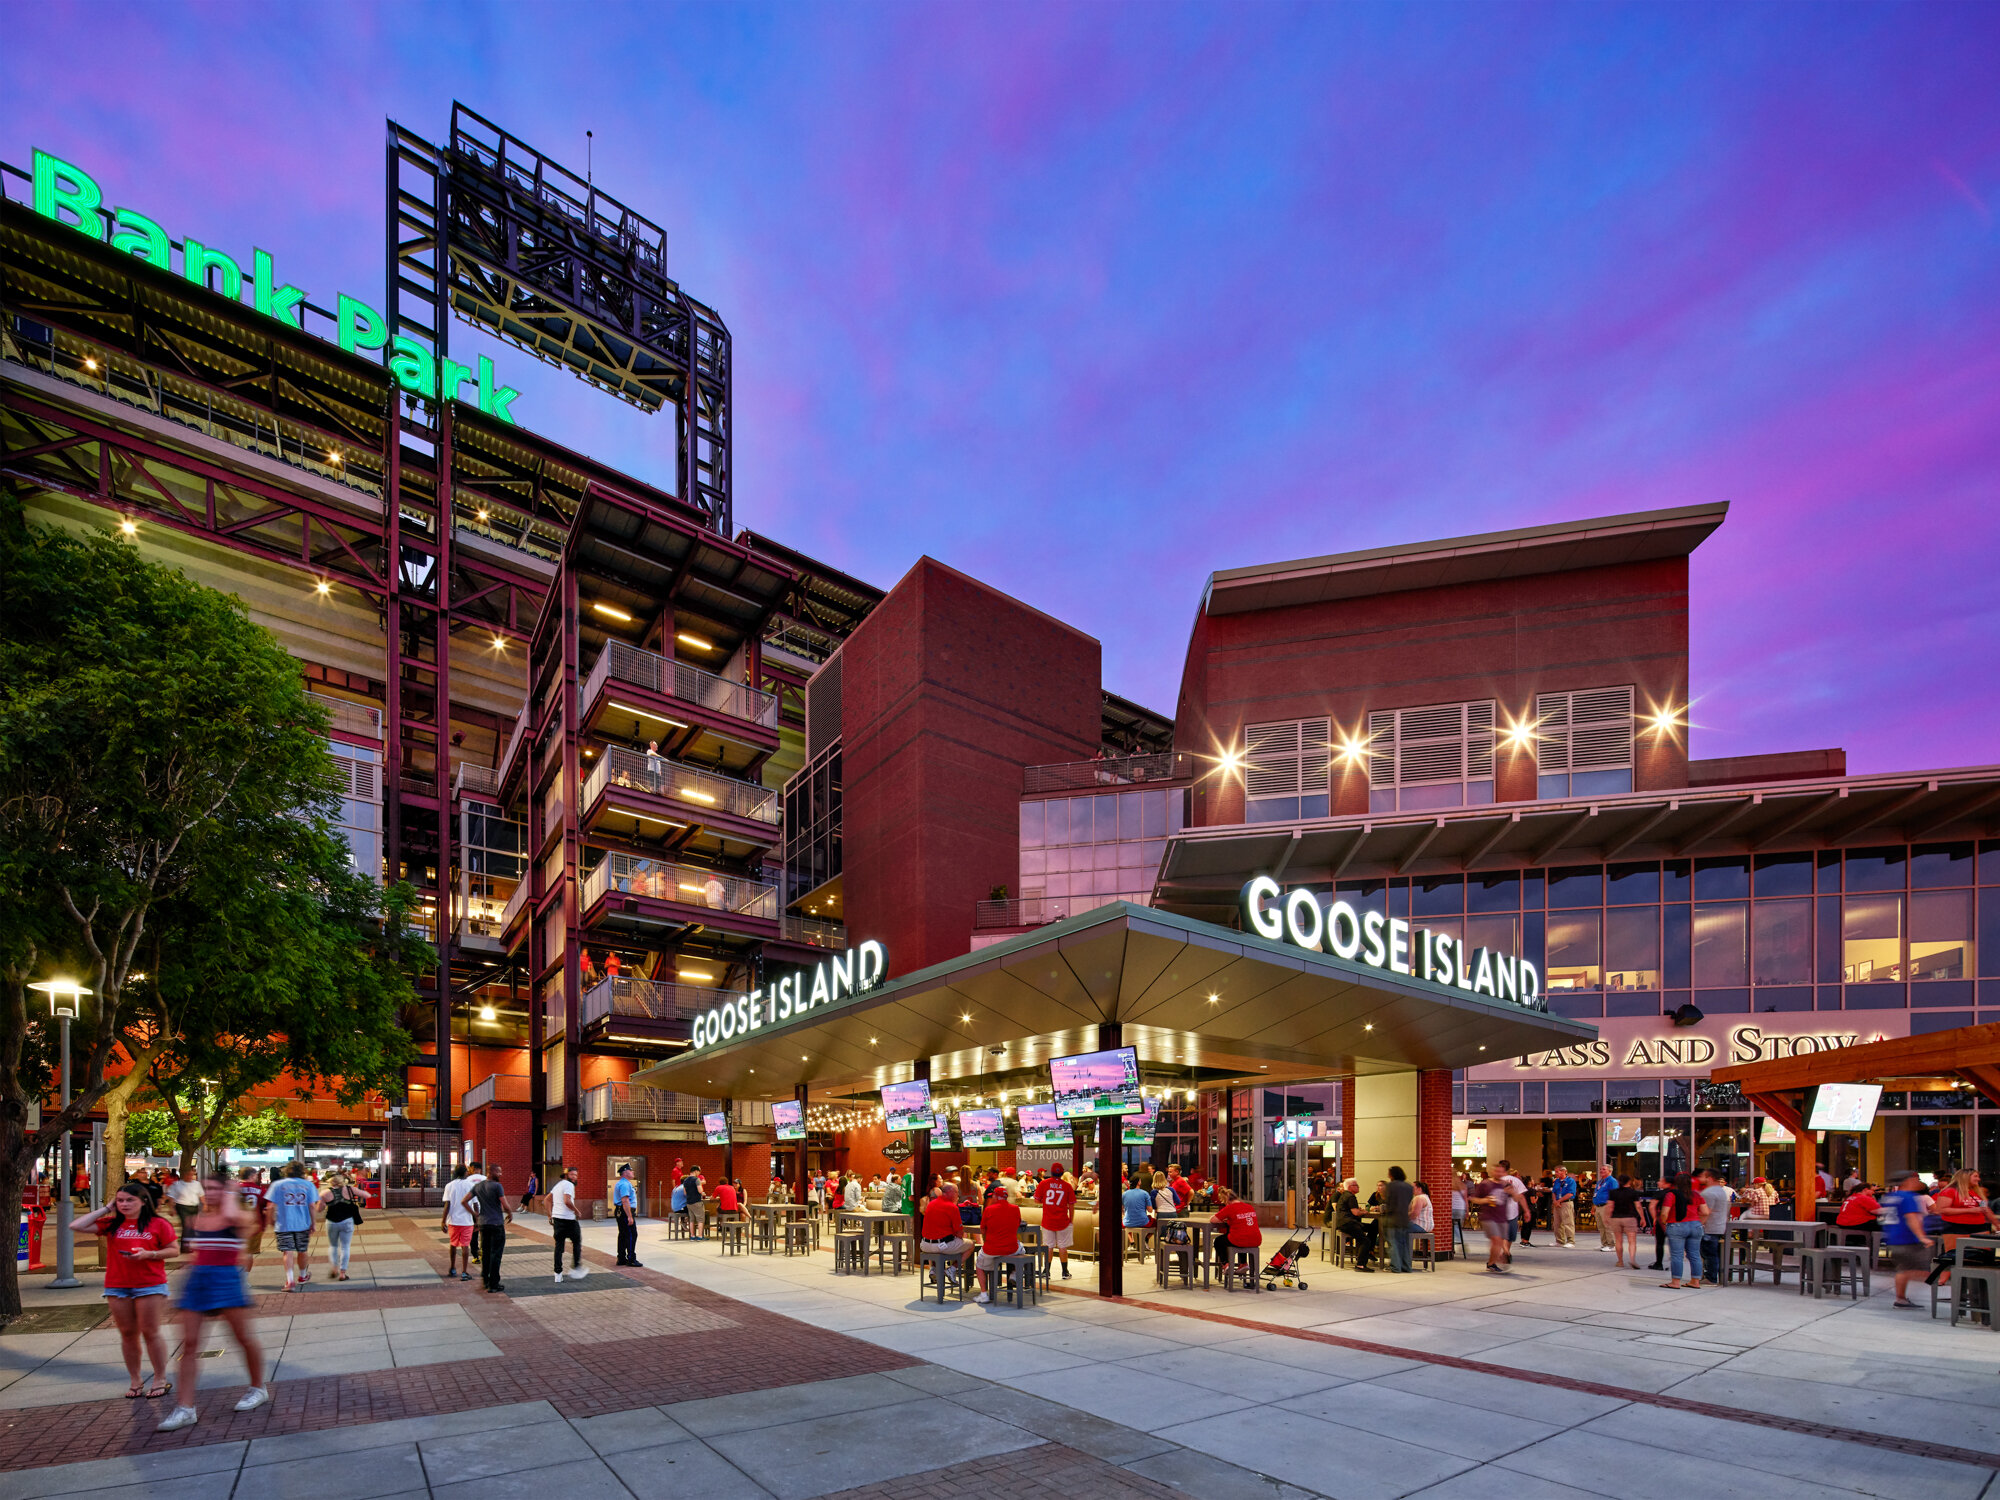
x,y
1093,1084
790,1117
906,1106
1843,1106
1042,1126
1138,1129
717,1129
982,1128
1771,1133
940,1132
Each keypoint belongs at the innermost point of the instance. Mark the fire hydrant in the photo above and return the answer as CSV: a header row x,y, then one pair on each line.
x,y
37,1217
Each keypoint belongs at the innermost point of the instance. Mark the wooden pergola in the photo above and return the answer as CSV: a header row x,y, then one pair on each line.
x,y
1967,1057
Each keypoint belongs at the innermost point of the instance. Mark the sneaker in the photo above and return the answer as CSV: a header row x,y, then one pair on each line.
x,y
253,1398
465,1276
560,1278
179,1417
1065,1271
576,1273
982,1297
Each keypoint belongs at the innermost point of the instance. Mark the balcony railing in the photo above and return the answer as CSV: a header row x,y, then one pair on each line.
x,y
1034,911
1123,770
520,733
700,790
497,1088
814,933
619,662
350,717
481,781
514,905
652,999
688,884
635,1101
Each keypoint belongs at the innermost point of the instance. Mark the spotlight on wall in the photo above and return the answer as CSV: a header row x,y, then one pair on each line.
x,y
1685,1015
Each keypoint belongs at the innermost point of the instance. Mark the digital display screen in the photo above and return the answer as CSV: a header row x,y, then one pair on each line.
x,y
790,1117
1093,1084
940,1132
1138,1129
906,1106
1042,1126
1623,1130
1844,1106
1467,1139
1771,1133
982,1128
717,1128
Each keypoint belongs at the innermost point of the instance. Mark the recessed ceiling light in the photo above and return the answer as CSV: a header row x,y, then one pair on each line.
x,y
322,588
129,526
1367,1025
499,643
611,612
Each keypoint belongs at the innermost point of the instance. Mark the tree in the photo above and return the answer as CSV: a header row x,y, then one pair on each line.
x,y
144,721
182,1128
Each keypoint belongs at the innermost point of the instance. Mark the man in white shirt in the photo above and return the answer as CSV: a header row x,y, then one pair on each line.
x,y
1517,1204
186,1196
562,1223
457,1225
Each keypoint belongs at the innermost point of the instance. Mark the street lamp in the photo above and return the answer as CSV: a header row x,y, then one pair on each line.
x,y
65,999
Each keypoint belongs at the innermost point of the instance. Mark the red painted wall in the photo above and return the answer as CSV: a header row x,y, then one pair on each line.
x,y
1506,639
948,689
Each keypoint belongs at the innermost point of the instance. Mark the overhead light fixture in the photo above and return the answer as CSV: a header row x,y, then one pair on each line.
x,y
1685,1015
482,514
966,1017
129,526
89,364
333,455
322,588
647,713
695,641
693,974
486,1013
694,795
1215,999
611,612
1367,1025
499,643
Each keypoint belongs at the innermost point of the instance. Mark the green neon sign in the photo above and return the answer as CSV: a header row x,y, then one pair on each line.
x,y
69,195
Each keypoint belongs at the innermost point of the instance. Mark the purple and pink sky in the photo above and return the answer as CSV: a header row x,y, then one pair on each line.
x,y
1091,300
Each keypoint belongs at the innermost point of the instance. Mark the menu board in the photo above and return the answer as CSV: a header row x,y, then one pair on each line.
x,y
906,1106
1042,1126
1093,1084
1844,1106
790,1117
982,1128
717,1128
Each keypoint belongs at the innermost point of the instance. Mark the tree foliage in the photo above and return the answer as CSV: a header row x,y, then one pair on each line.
x,y
154,742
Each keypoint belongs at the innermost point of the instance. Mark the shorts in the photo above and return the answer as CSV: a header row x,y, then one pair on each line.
x,y
298,1241
255,1244
1909,1257
210,1289
461,1236
1496,1229
1513,1230
1625,1226
950,1247
122,1293
1058,1239
987,1262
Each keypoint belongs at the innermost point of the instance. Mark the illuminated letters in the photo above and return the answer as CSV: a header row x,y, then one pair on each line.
x,y
273,301
1374,946
62,188
1263,921
850,973
140,237
1303,922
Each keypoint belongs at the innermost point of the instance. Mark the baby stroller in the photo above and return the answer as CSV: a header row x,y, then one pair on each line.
x,y
1284,1264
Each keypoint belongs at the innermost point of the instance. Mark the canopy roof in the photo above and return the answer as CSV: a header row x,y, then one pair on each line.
x,y
1935,1061
1196,1000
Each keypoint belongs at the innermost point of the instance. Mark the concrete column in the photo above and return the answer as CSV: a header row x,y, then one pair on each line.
x,y
1385,1126
1110,1208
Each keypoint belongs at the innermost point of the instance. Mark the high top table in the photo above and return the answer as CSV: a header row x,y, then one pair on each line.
x,y
1201,1229
874,1223
1797,1234
764,1222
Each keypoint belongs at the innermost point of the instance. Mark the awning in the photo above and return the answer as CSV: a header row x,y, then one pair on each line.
x,y
1195,999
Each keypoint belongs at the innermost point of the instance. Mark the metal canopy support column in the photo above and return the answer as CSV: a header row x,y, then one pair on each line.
x,y
1110,1205
729,1145
799,1169
920,1159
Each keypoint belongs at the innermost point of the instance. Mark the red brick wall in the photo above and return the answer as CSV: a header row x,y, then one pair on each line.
x,y
1346,1129
860,1150
1505,639
1434,1133
590,1155
949,688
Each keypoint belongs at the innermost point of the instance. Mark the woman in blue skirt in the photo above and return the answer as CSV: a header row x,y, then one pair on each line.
x,y
215,1287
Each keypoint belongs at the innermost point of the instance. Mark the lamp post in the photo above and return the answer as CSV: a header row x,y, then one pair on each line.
x,y
65,997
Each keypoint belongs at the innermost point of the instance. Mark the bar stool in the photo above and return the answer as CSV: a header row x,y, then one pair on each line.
x,y
1423,1242
1176,1257
935,1264
1139,1241
732,1236
1963,1280
1739,1259
850,1252
798,1241
679,1227
1013,1276
1240,1261
902,1246
1828,1269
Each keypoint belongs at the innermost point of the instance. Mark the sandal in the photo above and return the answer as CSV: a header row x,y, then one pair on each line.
x,y
1670,1286
159,1388
136,1393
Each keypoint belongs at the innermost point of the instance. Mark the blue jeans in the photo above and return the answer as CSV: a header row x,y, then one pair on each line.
x,y
1684,1244
1711,1259
339,1242
1399,1249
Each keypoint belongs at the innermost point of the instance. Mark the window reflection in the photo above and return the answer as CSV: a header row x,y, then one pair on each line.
x,y
1721,943
1783,942
1941,944
1871,939
1632,948
1574,950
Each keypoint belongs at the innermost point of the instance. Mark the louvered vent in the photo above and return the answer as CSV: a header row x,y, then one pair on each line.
x,y
1586,731
1286,756
1479,740
1424,746
357,778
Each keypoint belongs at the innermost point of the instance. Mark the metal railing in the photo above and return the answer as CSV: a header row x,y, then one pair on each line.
x,y
654,999
1035,911
500,1088
813,932
688,884
513,908
678,679
348,716
1123,770
635,1101
482,781
520,733
699,789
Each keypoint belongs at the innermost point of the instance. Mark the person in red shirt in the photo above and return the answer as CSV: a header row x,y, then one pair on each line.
x,y
1244,1231
943,1229
1058,1200
1861,1210
138,1245
1000,1235
726,1201
1183,1190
